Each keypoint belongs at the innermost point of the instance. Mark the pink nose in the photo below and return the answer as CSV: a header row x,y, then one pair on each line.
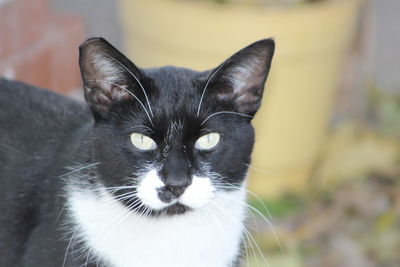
x,y
169,193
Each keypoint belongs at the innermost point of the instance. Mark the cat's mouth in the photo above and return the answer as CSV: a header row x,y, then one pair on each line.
x,y
172,199
172,208
153,193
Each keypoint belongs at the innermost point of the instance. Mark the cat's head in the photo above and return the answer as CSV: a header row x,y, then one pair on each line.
x,y
169,139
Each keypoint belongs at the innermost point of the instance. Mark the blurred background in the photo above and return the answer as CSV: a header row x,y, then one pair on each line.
x,y
324,179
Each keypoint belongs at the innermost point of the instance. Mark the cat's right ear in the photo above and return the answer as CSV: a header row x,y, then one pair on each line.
x,y
108,76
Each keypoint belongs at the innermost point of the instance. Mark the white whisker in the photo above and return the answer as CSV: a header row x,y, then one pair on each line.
x,y
140,216
231,186
129,92
246,249
245,231
115,188
142,126
269,223
220,229
205,88
226,112
118,198
117,221
87,257
259,169
69,245
137,80
80,169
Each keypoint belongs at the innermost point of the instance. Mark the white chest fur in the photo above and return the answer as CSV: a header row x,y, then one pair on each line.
x,y
209,236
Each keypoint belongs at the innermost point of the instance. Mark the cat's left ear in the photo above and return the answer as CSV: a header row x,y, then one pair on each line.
x,y
241,78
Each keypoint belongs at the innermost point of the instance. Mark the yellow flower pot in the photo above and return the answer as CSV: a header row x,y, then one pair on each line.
x,y
312,41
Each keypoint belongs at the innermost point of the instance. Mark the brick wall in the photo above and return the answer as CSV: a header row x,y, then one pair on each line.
x,y
39,46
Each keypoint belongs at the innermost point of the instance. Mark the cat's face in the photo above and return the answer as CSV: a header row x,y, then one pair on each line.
x,y
169,139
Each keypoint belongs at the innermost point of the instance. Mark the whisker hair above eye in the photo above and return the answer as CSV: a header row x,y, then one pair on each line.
x,y
142,126
226,112
136,78
205,88
129,92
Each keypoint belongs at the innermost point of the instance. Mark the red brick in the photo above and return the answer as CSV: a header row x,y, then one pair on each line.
x,y
39,47
65,74
35,67
52,60
32,65
22,21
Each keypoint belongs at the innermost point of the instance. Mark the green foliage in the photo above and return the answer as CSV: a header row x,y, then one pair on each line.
x,y
277,208
388,113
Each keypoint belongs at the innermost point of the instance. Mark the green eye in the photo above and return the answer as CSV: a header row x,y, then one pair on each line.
x,y
143,142
207,142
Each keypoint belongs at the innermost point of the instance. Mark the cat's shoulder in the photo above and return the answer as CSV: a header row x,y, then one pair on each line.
x,y
38,128
18,98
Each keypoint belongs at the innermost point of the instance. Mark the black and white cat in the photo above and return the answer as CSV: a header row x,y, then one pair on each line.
x,y
152,174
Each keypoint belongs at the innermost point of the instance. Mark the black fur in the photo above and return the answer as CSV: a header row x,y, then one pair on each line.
x,y
43,134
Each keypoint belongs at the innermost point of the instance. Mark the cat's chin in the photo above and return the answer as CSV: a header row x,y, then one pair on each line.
x,y
172,210
176,209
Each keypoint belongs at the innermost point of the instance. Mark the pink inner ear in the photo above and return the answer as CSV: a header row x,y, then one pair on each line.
x,y
97,100
101,97
243,82
105,78
120,93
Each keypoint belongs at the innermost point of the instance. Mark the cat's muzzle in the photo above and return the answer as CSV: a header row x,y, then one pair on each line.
x,y
169,194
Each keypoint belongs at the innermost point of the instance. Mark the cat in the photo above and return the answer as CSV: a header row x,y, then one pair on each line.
x,y
149,172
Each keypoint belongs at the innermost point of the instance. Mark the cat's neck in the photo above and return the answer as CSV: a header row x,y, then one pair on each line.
x,y
210,236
